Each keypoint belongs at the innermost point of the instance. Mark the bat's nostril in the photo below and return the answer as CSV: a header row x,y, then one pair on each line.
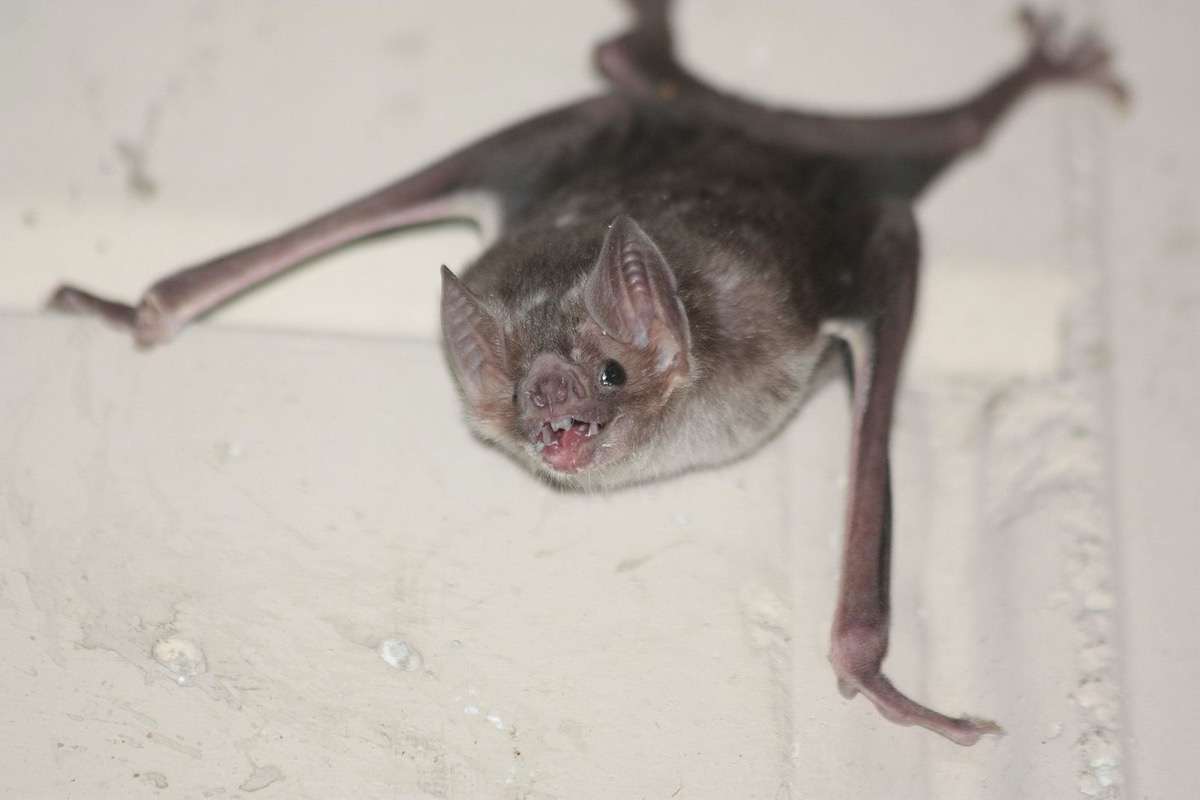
x,y
552,390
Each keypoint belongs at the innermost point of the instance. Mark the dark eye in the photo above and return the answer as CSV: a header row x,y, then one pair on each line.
x,y
612,374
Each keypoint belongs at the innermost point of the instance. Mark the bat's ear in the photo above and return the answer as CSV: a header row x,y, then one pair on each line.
x,y
474,341
632,296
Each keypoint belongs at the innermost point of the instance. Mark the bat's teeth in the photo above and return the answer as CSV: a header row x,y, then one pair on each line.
x,y
561,424
592,428
546,436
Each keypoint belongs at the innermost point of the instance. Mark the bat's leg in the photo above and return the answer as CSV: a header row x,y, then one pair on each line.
x,y
874,330
642,63
488,183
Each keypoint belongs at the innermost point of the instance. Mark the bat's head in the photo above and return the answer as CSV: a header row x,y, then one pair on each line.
x,y
575,382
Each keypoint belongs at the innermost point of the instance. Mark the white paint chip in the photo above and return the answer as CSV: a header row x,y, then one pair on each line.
x,y
180,658
400,654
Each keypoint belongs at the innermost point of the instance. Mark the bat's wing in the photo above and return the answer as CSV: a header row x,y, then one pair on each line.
x,y
873,322
488,183
905,152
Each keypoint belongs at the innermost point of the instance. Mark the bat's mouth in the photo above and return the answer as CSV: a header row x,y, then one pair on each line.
x,y
568,444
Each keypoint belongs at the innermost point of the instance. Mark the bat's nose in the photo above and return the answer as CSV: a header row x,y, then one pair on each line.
x,y
552,390
553,383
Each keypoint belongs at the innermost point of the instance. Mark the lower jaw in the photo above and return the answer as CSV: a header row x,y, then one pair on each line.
x,y
568,468
588,478
567,481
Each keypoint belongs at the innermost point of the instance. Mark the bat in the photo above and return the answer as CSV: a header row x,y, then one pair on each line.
x,y
668,273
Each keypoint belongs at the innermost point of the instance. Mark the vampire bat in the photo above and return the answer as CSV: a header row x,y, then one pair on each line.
x,y
669,270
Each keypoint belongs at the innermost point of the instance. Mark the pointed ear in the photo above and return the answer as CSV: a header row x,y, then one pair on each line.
x,y
632,296
474,341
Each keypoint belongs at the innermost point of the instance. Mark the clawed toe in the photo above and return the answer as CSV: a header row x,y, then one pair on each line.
x,y
1053,57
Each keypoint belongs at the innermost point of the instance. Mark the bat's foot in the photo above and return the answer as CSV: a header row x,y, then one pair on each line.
x,y
856,661
1055,58
641,61
141,320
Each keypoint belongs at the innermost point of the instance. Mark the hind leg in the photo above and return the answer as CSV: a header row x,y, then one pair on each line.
x,y
642,62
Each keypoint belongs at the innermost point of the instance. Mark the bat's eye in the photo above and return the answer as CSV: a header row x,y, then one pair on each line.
x,y
612,374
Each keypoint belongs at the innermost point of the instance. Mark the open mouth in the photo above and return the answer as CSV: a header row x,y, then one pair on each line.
x,y
568,444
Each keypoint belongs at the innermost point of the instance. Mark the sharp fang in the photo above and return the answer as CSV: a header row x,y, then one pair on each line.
x,y
561,424
546,436
595,426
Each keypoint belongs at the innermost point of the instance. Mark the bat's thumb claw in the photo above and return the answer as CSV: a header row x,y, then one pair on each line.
x,y
76,301
64,298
